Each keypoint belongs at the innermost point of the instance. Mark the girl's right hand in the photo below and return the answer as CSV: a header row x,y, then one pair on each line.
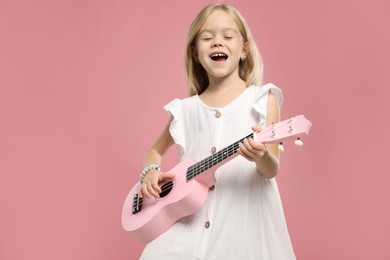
x,y
150,187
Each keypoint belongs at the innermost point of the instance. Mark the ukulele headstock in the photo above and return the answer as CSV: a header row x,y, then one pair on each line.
x,y
292,128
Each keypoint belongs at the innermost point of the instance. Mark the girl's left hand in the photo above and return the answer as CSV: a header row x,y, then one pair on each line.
x,y
252,150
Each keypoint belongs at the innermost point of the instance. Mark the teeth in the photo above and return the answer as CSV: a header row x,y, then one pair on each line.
x,y
218,55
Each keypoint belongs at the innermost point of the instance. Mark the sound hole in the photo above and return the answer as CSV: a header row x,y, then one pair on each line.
x,y
166,189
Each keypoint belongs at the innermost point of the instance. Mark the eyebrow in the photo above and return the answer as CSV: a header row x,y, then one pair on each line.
x,y
211,31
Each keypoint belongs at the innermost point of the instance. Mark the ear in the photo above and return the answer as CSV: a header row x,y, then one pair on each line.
x,y
245,51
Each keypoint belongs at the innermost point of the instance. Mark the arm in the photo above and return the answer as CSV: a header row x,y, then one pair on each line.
x,y
268,164
265,157
154,155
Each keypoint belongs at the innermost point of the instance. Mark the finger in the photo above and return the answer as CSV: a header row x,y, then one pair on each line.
x,y
259,149
244,149
166,176
239,151
147,189
155,186
152,191
256,146
150,183
144,192
251,151
256,128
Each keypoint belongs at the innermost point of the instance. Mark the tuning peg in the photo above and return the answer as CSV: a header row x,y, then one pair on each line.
x,y
290,120
274,125
274,134
298,142
291,129
281,147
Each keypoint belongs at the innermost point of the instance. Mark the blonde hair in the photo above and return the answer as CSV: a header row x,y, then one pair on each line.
x,y
250,70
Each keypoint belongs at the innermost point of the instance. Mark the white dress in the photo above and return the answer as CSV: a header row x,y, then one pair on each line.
x,y
243,216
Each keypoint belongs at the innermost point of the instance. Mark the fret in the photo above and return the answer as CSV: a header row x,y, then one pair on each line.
x,y
141,222
207,163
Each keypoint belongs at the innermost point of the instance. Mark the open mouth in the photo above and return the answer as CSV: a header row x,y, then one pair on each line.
x,y
218,56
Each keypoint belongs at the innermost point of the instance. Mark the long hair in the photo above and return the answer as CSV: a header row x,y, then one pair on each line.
x,y
250,70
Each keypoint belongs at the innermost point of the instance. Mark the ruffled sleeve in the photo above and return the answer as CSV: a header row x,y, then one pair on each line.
x,y
261,100
176,127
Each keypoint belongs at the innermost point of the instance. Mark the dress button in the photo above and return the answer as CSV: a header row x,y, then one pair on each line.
x,y
212,188
213,150
207,224
217,114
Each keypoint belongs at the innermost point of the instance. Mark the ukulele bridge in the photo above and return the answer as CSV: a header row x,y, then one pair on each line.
x,y
137,204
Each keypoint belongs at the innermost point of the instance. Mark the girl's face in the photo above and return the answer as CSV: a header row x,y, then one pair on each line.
x,y
220,46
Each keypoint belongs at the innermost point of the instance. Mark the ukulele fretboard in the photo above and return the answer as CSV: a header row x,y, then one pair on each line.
x,y
205,164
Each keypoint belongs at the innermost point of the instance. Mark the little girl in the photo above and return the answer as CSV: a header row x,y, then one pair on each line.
x,y
242,217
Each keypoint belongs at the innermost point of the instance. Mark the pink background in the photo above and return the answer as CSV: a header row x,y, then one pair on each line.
x,y
82,85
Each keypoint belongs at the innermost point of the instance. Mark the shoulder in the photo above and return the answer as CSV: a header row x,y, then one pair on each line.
x,y
266,87
272,93
268,100
178,104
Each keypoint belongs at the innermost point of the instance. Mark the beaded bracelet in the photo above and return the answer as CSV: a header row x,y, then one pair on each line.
x,y
148,169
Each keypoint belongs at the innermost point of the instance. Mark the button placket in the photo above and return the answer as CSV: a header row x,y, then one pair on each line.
x,y
213,150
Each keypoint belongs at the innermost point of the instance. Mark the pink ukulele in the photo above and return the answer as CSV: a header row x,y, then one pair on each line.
x,y
186,194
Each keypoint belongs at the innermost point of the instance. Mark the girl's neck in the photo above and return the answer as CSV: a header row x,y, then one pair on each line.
x,y
218,85
221,92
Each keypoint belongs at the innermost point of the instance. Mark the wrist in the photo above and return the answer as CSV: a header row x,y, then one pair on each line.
x,y
268,165
149,168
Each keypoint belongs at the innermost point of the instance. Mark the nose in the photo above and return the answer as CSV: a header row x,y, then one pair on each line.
x,y
217,42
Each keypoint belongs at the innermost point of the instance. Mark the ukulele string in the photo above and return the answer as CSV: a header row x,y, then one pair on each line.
x,y
199,167
203,165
